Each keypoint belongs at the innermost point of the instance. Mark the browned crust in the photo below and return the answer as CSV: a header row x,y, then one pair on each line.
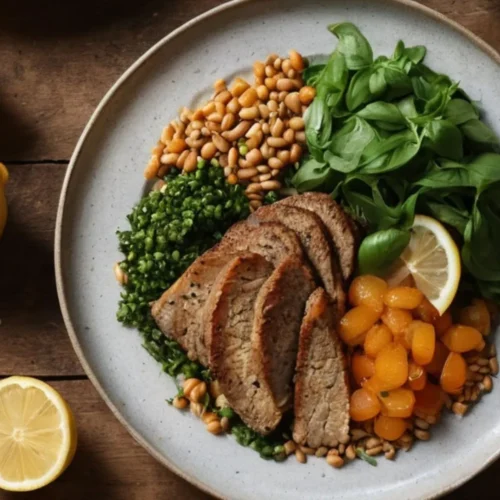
x,y
338,224
315,240
319,314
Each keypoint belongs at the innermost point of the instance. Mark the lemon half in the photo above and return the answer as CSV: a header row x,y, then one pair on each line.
x,y
432,260
37,434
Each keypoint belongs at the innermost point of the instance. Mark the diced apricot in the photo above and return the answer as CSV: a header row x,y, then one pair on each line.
x,y
425,311
396,319
454,373
375,385
460,338
369,291
362,367
417,376
443,323
403,297
389,428
376,339
356,322
477,316
423,342
397,403
391,366
364,405
435,367
429,400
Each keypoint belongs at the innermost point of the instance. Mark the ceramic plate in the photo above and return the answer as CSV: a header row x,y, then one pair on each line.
x,y
105,180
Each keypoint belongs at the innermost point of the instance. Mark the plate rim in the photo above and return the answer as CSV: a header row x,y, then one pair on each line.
x,y
59,272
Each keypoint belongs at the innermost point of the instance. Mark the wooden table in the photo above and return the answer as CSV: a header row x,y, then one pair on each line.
x,y
58,58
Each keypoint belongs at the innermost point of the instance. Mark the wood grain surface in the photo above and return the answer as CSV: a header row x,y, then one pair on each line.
x,y
58,58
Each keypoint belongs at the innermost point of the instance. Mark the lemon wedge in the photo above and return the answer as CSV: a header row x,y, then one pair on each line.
x,y
37,434
431,260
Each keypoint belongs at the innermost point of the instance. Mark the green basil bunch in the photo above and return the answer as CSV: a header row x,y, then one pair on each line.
x,y
389,137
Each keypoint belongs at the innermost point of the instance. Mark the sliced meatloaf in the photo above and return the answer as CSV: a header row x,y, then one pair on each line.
x,y
279,309
321,403
229,331
315,242
178,311
338,224
272,240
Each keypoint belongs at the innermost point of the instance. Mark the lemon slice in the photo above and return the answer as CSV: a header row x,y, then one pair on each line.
x,y
37,434
431,260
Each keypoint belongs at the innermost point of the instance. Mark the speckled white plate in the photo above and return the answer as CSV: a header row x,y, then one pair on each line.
x,y
104,181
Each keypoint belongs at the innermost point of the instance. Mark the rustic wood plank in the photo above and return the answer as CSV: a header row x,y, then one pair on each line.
x,y
33,336
59,61
108,463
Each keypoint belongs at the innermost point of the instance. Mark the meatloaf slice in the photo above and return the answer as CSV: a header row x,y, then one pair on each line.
x,y
272,240
338,224
315,242
321,403
279,309
178,312
229,331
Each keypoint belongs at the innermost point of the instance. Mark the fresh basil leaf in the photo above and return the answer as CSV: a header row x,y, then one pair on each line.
x,y
333,80
311,74
358,91
311,175
415,54
382,112
318,122
478,132
444,178
398,83
445,139
377,83
379,250
447,214
459,111
399,50
353,45
484,170
381,145
407,107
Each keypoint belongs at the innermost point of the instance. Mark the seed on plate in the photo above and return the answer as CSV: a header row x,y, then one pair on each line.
x,y
487,383
258,69
255,187
296,60
321,451
276,142
494,366
263,169
264,177
247,173
421,423
220,143
176,145
219,85
214,427
208,109
372,442
272,105
254,196
270,185
278,128
270,83
255,141
485,370
275,163
271,58
237,132
248,98
169,158
300,456
474,368
120,275
232,179
209,416
295,153
233,106
167,133
350,452
285,84
284,156
282,110
232,157
188,385
289,136
254,129
373,452
290,447
208,151
292,102
223,160
225,424
296,123
180,403
152,167
267,151
182,159
254,156
196,409
334,461
255,204
282,95
270,70
357,434
459,408
227,122
390,454
205,132
191,161
307,94
264,112
421,434
239,86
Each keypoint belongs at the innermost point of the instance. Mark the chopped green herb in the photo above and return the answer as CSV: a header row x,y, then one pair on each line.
x,y
362,454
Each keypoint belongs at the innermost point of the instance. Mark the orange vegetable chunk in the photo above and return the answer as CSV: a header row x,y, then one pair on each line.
x,y
429,400
362,367
396,319
454,373
390,428
417,376
403,297
443,323
397,403
391,366
364,405
368,290
460,338
435,367
476,315
376,339
356,322
375,385
423,342
425,311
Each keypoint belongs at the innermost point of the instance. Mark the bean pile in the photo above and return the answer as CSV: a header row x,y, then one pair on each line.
x,y
252,131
